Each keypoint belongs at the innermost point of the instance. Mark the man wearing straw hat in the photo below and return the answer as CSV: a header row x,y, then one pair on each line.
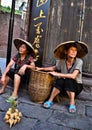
x,y
68,72
23,62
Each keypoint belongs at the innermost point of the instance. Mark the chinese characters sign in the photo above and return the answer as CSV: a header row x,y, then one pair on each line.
x,y
38,22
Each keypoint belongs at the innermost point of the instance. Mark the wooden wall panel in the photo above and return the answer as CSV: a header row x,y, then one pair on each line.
x,y
64,23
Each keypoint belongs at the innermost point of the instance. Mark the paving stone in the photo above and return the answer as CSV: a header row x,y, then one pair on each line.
x,y
34,111
80,105
88,111
37,118
71,120
27,101
85,96
60,107
25,124
87,83
49,126
3,105
88,103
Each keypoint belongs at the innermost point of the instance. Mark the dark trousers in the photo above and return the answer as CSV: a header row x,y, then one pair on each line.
x,y
68,85
24,78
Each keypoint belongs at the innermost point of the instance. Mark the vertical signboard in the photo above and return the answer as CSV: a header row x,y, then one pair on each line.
x,y
37,31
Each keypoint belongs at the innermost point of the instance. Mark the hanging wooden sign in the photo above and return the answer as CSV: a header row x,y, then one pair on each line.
x,y
38,24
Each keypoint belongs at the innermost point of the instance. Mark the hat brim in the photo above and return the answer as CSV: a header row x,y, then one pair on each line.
x,y
82,48
18,42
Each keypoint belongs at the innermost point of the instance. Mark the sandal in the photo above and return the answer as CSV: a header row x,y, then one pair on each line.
x,y
72,108
47,104
11,98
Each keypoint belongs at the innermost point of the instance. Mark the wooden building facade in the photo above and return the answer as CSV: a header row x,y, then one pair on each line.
x,y
67,20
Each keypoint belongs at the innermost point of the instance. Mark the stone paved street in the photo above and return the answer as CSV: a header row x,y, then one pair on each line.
x,y
57,118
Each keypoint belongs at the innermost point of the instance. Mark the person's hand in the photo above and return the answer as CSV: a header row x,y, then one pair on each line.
x,y
53,73
22,70
38,68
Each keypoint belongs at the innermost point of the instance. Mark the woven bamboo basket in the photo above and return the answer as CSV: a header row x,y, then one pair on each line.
x,y
40,85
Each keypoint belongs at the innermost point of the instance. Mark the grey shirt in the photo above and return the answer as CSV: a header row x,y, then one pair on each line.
x,y
61,66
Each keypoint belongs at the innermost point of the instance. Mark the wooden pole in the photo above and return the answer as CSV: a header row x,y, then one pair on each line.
x,y
10,33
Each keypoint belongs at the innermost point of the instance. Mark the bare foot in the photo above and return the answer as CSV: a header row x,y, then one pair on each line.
x,y
1,91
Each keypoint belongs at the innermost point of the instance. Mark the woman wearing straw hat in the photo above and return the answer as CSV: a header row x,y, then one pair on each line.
x,y
23,62
68,72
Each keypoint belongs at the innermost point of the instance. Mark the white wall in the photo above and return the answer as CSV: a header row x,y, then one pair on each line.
x,y
6,3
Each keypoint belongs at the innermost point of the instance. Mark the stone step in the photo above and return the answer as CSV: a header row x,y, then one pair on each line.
x,y
87,84
86,94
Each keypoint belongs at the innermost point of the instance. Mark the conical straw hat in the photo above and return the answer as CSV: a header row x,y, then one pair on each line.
x,y
18,42
82,48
